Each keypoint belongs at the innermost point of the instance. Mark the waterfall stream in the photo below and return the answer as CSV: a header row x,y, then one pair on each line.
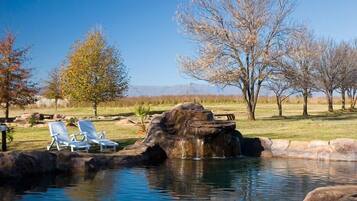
x,y
183,151
199,149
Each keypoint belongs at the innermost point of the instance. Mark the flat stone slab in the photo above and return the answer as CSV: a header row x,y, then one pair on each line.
x,y
341,149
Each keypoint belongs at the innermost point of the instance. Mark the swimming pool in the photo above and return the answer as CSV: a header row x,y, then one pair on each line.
x,y
230,179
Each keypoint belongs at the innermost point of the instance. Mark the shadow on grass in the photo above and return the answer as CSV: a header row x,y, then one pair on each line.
x,y
122,144
125,142
127,114
13,146
272,135
337,115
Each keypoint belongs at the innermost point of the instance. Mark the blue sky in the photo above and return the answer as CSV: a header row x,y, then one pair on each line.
x,y
145,31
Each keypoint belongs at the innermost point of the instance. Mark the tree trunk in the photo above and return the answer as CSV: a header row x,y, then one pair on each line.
x,y
330,101
249,104
280,108
330,104
349,98
251,112
353,99
305,95
7,109
56,101
95,109
343,99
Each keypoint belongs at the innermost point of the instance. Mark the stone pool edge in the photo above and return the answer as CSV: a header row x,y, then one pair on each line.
x,y
21,164
340,149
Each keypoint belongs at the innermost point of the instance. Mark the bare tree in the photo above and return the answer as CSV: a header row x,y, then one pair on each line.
x,y
347,72
238,42
298,64
352,87
281,89
52,88
352,95
327,71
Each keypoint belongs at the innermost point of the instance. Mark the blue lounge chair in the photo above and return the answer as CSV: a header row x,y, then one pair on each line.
x,y
92,136
61,139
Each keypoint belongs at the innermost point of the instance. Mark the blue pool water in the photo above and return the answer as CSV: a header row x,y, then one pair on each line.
x,y
233,179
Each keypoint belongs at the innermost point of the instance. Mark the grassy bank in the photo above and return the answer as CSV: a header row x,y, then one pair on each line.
x,y
320,125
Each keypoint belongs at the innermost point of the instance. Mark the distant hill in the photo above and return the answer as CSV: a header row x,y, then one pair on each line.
x,y
196,89
189,89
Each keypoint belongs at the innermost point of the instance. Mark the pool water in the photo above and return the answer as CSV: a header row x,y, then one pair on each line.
x,y
231,179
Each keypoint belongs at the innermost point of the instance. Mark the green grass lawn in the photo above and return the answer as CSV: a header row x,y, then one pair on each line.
x,y
320,125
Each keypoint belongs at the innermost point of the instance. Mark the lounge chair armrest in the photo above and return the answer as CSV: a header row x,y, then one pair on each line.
x,y
101,134
73,136
84,135
55,134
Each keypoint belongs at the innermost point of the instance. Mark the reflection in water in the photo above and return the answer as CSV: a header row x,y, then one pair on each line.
x,y
249,179
236,179
95,189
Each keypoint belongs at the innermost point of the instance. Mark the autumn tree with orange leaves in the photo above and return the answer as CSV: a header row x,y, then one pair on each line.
x,y
16,88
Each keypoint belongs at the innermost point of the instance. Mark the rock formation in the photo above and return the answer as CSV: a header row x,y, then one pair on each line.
x,y
190,131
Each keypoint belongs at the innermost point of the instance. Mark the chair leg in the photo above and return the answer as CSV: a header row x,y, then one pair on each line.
x,y
50,146
72,149
58,146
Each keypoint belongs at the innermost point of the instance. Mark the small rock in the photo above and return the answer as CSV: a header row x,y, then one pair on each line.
x,y
125,122
332,193
59,116
344,145
101,117
114,118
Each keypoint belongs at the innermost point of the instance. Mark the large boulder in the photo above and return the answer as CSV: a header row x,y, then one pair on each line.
x,y
21,165
333,193
18,164
190,131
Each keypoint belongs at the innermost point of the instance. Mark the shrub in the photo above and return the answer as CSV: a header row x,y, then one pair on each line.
x,y
32,120
142,112
9,133
71,121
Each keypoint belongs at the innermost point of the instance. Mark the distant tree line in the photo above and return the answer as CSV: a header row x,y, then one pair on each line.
x,y
252,44
315,65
